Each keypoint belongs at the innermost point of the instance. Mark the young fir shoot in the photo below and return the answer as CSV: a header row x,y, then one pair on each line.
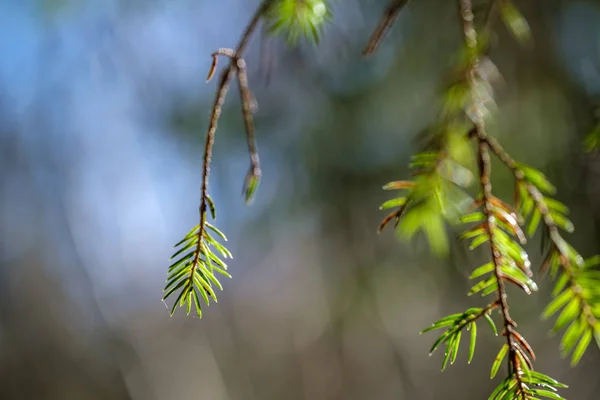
x,y
196,262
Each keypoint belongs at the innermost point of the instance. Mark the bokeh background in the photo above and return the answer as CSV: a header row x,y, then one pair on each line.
x,y
103,111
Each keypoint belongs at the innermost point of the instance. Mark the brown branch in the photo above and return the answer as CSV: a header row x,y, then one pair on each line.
x,y
226,77
470,37
385,23
490,307
247,109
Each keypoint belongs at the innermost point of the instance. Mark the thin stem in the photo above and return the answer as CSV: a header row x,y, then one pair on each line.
x,y
489,18
490,307
246,98
226,77
470,37
385,23
248,105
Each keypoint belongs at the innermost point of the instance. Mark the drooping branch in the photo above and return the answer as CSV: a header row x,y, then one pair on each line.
x,y
196,262
483,155
385,23
226,77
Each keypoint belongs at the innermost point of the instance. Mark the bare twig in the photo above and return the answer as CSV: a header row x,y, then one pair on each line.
x,y
248,107
254,173
385,23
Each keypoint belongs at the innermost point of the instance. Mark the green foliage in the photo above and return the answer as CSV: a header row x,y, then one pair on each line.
x,y
251,185
193,271
496,224
434,196
515,22
530,385
455,324
296,18
577,294
514,264
499,359
577,288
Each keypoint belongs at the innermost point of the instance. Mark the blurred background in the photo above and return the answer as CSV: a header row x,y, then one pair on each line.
x,y
103,112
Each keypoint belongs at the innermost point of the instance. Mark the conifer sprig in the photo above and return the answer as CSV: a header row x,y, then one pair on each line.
x,y
455,324
194,267
193,272
577,288
497,225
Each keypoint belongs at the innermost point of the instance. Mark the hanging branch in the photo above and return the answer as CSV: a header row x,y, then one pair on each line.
x,y
385,23
498,225
193,272
470,37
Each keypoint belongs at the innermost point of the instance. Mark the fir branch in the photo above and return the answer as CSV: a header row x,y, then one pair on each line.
x,y
518,350
192,273
581,284
385,23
